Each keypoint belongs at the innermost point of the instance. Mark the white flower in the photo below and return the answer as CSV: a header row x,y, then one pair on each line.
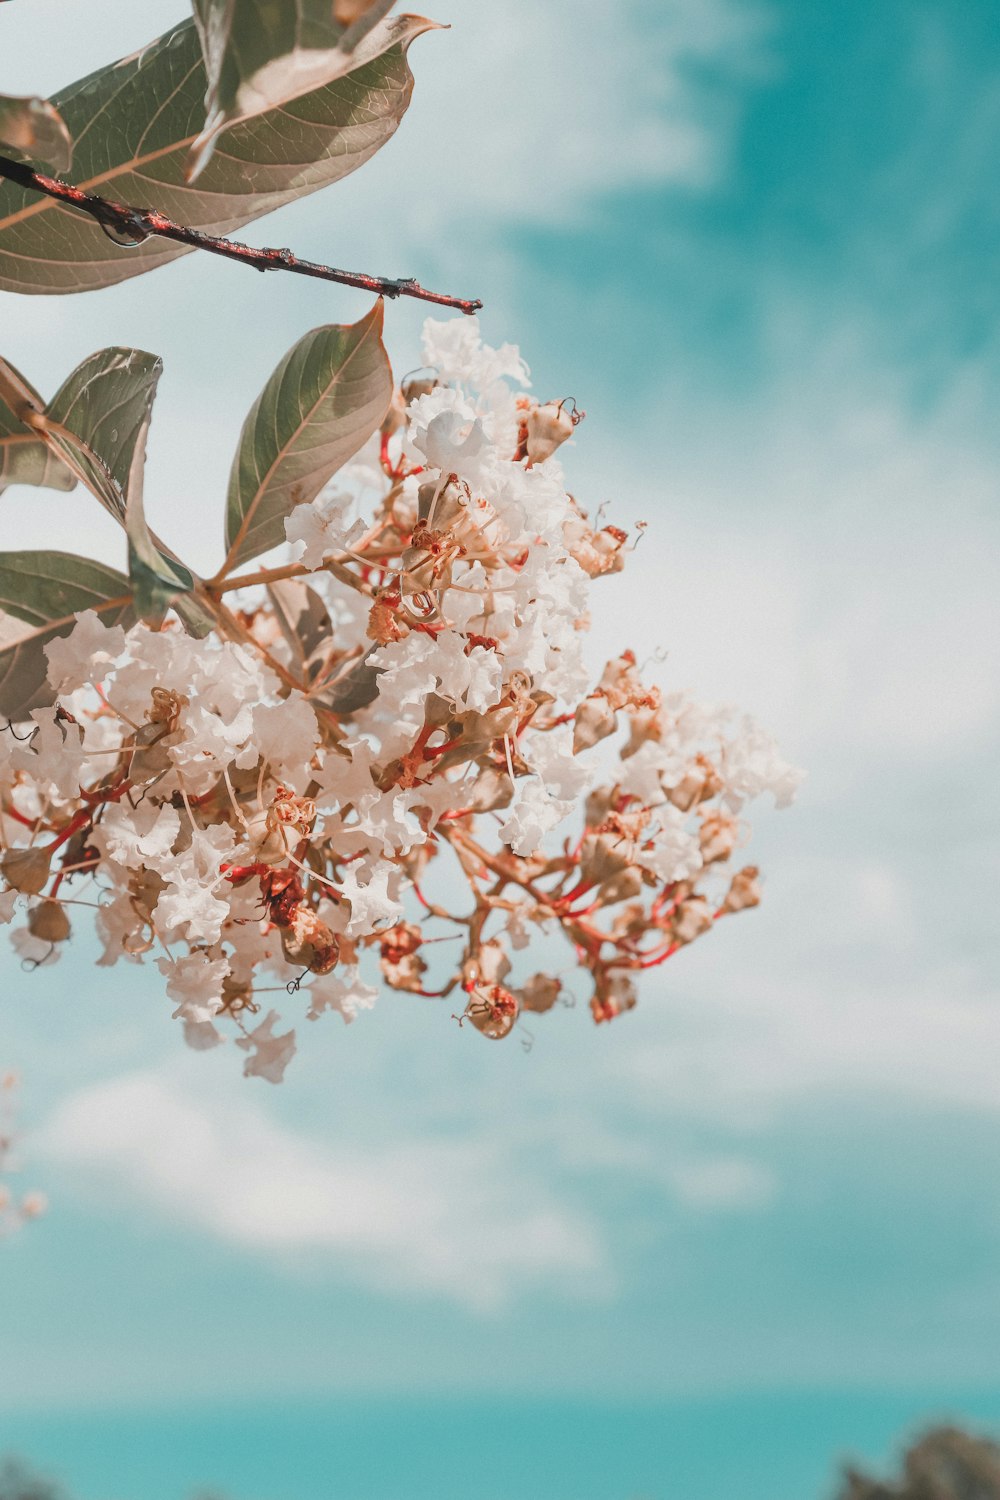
x,y
322,528
270,1054
372,905
533,814
84,655
455,445
751,764
343,992
285,734
454,347
141,836
194,981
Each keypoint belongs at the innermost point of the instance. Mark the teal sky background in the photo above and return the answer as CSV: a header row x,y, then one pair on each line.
x,y
759,244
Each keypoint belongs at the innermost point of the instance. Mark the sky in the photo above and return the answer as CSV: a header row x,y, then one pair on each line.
x,y
758,243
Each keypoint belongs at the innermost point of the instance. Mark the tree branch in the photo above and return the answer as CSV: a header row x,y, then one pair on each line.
x,y
130,226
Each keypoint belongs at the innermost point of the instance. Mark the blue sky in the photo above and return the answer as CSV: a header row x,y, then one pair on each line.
x,y
759,243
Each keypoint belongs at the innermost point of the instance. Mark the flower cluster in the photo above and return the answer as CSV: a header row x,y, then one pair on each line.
x,y
15,1209
404,701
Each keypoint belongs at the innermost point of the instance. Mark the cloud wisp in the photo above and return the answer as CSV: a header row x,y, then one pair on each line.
x,y
443,1218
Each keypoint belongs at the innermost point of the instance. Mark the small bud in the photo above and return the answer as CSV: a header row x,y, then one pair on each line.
x,y
308,940
621,887
418,383
691,918
744,890
699,782
492,1012
595,720
49,922
548,427
33,1205
717,837
26,870
540,993
613,995
488,965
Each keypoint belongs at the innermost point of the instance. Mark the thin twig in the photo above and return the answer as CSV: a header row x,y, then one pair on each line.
x,y
133,225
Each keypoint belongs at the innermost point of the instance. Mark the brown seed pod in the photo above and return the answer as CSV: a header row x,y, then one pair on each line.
x,y
492,1011
26,870
49,922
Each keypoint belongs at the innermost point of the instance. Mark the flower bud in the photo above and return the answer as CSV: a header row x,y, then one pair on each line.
x,y
548,427
49,922
744,890
699,782
621,887
26,870
418,383
489,964
613,995
308,940
690,919
595,720
492,1012
717,837
33,1205
540,993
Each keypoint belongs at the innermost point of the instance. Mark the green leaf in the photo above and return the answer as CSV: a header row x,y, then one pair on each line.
x,y
322,403
40,587
34,127
41,594
261,54
133,125
105,407
97,423
24,457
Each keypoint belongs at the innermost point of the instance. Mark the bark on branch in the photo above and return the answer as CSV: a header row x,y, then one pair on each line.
x,y
130,226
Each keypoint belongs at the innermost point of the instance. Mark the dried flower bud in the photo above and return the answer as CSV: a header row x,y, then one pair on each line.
x,y
717,837
492,1011
384,624
700,782
26,870
744,890
49,922
690,919
401,964
308,940
547,428
539,993
621,887
488,965
418,383
613,995
595,720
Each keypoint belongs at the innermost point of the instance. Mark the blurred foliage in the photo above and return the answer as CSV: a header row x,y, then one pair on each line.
x,y
17,1482
946,1464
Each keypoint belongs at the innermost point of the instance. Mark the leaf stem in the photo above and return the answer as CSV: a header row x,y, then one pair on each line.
x,y
134,225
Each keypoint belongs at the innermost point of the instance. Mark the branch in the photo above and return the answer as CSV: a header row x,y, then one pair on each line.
x,y
130,226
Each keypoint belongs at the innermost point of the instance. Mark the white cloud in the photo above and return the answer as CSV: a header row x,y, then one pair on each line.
x,y
443,1217
526,110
